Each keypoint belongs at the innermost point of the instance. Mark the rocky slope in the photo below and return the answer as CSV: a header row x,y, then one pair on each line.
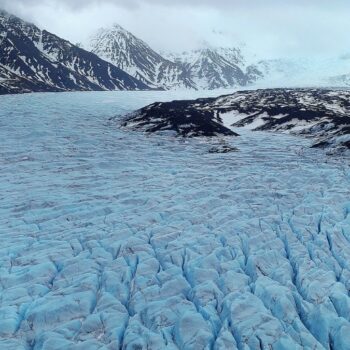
x,y
32,59
323,115
179,117
13,83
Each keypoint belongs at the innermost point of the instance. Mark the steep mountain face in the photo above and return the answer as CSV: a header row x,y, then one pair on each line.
x,y
41,61
234,55
209,70
134,56
198,69
13,83
36,60
218,67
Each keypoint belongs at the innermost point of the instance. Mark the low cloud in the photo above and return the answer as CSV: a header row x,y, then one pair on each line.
x,y
270,28
217,4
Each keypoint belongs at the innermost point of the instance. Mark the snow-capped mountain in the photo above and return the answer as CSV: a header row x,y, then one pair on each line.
x,y
209,70
134,56
212,68
200,69
234,55
32,59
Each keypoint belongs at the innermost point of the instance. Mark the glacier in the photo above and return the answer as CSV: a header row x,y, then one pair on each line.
x,y
116,239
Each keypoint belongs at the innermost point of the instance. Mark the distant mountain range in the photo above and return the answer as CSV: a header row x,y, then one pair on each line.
x,y
200,69
212,68
33,60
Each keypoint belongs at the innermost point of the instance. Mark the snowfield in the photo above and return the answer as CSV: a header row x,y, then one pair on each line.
x,y
117,239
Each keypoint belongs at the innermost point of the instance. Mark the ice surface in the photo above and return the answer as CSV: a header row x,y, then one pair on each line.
x,y
116,239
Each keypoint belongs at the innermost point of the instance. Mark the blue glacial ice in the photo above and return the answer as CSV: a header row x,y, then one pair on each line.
x,y
115,239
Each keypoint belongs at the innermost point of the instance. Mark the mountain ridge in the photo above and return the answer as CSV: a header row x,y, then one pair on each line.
x,y
319,114
126,51
206,69
35,60
50,63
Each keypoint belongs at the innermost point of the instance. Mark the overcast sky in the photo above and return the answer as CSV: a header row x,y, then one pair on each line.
x,y
269,28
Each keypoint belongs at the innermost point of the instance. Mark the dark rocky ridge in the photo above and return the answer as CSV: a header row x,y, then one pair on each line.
x,y
177,116
321,114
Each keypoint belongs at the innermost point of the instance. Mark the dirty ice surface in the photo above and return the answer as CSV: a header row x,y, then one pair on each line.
x,y
114,239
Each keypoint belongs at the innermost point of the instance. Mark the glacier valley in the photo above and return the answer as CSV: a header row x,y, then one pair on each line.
x,y
117,239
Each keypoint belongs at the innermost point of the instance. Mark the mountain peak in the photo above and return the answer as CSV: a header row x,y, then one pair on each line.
x,y
115,31
121,48
118,27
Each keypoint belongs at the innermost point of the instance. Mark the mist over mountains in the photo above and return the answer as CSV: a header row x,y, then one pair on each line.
x,y
34,60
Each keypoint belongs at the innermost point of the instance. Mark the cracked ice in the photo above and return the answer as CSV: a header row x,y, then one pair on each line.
x,y
116,239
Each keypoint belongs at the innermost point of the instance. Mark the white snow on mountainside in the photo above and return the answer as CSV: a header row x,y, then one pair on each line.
x,y
200,69
212,68
277,72
35,60
165,245
32,59
131,54
234,55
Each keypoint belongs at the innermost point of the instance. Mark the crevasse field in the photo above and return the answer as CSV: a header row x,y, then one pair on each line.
x,y
115,239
